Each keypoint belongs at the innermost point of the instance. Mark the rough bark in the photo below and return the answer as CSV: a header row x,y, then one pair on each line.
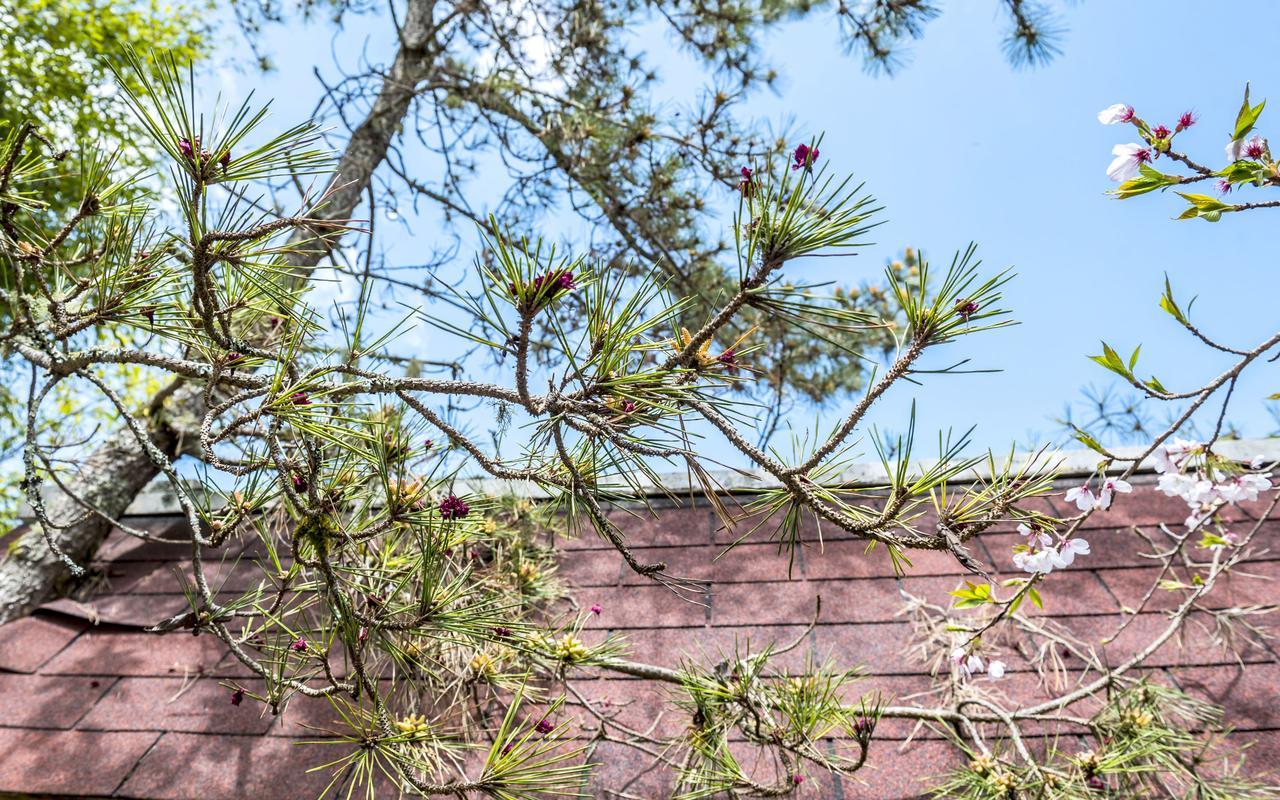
x,y
118,469
109,479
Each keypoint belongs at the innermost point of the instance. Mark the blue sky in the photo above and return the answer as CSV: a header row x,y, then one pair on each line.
x,y
959,147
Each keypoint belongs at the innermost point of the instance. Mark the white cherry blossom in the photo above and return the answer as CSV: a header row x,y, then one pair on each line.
x,y
1129,158
1066,554
1110,488
1035,538
1244,488
1035,561
1082,496
1114,114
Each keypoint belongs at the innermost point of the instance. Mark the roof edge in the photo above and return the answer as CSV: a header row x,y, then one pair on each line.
x,y
158,498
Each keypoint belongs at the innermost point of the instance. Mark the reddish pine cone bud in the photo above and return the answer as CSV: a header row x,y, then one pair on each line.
x,y
453,507
804,157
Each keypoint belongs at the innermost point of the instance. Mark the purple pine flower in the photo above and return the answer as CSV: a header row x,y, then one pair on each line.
x,y
544,727
453,507
729,359
804,157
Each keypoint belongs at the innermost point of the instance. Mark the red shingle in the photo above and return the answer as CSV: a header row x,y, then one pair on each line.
x,y
29,642
184,765
110,652
40,701
72,763
198,705
1247,695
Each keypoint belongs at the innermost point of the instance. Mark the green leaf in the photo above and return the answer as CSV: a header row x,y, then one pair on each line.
x,y
1133,359
1088,441
1035,598
1204,202
1169,304
1112,361
1148,180
972,595
1247,117
1204,206
1212,540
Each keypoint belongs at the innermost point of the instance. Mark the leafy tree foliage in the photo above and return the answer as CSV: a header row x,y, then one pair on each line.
x,y
56,58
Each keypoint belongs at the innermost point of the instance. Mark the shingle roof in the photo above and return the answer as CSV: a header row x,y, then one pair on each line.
x,y
94,706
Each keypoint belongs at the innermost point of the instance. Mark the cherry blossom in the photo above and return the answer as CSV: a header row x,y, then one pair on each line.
x,y
1198,516
1129,158
1083,497
1067,553
966,663
1255,147
1035,538
1035,561
1110,488
1115,113
1171,457
1244,487
1041,557
969,664
1175,484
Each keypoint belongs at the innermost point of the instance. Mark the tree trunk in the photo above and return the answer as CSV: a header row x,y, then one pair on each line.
x,y
108,480
118,469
